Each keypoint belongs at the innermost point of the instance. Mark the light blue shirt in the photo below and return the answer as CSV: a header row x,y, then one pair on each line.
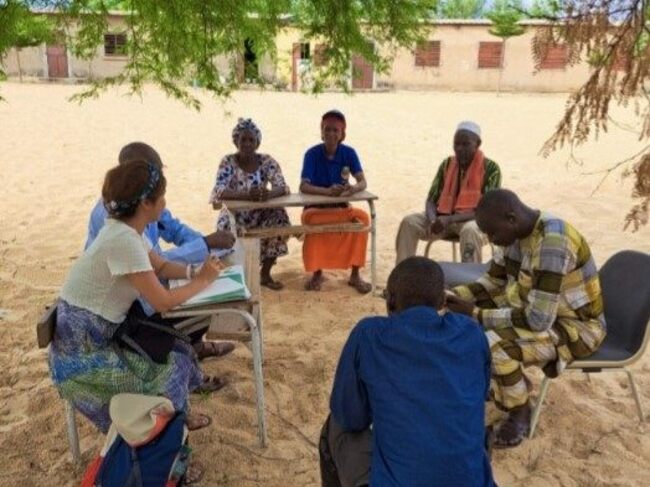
x,y
190,248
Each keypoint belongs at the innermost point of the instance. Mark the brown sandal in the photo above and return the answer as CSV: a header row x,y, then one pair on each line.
x,y
211,384
361,286
213,349
513,430
201,421
272,284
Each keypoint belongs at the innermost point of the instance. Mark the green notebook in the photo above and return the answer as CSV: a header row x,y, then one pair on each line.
x,y
229,286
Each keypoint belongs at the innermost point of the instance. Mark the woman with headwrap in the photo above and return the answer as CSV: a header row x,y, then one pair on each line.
x,y
101,290
246,175
326,169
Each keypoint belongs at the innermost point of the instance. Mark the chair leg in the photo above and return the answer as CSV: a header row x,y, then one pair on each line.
x,y
73,436
538,407
635,393
454,251
427,248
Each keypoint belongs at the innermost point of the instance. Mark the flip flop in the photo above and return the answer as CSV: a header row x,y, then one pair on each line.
x,y
211,384
205,422
510,433
214,349
362,287
314,283
271,284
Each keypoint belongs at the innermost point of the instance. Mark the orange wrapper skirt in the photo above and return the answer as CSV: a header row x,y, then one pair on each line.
x,y
334,250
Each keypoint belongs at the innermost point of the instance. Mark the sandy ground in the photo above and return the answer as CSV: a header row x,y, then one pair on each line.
x,y
54,154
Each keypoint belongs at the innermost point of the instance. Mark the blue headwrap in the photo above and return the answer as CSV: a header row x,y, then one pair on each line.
x,y
117,208
245,124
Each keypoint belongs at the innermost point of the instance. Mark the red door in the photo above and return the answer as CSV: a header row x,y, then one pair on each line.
x,y
57,62
362,73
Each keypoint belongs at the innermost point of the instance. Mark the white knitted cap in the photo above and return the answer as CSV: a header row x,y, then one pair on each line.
x,y
470,127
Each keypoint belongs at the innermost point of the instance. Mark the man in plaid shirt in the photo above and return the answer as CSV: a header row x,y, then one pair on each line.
x,y
540,302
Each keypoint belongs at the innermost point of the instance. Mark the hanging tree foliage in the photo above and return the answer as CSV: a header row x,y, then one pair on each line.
x,y
614,37
171,42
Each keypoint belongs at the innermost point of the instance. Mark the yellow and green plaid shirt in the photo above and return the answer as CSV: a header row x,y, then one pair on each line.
x,y
549,276
492,179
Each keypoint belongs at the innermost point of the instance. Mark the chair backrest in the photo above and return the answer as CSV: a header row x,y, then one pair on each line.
x,y
625,281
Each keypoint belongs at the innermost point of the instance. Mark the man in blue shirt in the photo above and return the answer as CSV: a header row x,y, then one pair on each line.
x,y
408,402
191,248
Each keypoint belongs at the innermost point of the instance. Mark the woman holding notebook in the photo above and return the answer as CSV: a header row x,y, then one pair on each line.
x,y
104,283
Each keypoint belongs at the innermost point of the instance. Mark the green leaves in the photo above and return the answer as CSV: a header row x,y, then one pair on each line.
x,y
505,16
461,9
174,43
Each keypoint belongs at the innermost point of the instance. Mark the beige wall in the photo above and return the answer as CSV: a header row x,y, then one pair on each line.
x,y
459,70
32,61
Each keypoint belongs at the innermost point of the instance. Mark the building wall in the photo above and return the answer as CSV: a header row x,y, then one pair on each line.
x,y
32,61
458,70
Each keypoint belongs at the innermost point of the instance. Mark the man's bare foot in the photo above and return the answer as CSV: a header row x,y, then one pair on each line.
x,y
193,474
359,284
514,429
316,281
197,421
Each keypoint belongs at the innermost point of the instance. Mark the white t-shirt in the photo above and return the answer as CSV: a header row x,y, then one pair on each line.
x,y
97,281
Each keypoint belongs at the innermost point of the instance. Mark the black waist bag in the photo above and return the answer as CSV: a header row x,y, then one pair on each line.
x,y
150,339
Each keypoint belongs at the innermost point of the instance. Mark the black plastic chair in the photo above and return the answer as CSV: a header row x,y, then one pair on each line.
x,y
625,281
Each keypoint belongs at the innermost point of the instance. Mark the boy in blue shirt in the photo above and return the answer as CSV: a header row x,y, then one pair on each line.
x,y
408,401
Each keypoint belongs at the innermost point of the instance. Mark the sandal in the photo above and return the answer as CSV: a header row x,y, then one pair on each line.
x,y
271,284
213,349
197,421
513,430
211,384
315,282
361,286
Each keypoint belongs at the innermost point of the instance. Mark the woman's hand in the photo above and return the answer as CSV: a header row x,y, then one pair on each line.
x,y
439,224
259,193
210,269
336,189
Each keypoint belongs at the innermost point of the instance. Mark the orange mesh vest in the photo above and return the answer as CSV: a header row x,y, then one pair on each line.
x,y
466,199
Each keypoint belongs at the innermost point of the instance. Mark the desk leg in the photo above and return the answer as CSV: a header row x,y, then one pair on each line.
x,y
373,245
259,383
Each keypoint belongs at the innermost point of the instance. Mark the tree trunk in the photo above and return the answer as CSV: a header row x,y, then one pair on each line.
x,y
20,69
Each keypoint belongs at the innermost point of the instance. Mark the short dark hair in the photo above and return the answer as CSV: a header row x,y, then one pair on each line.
x,y
136,151
416,281
498,202
125,183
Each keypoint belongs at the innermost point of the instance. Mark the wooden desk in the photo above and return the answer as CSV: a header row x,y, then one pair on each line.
x,y
302,200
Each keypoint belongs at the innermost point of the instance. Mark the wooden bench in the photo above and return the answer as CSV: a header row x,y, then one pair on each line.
x,y
296,230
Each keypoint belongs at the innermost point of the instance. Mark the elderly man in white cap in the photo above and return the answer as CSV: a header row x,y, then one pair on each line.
x,y
460,182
